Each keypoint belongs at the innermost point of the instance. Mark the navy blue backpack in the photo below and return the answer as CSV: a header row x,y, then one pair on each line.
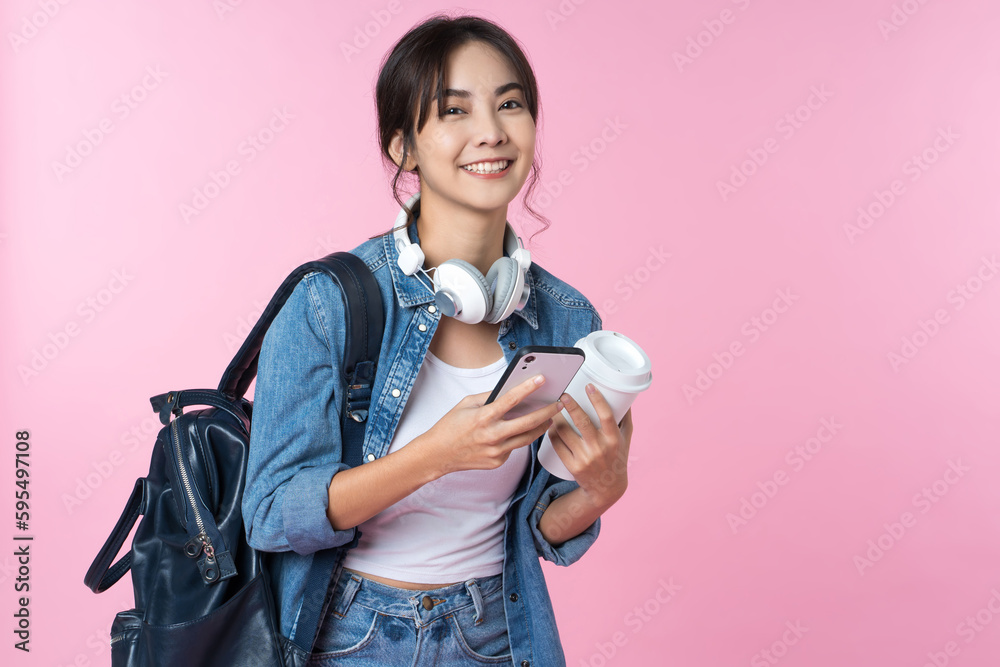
x,y
202,594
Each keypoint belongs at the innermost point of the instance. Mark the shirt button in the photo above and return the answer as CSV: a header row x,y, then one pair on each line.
x,y
525,663
371,457
396,393
427,603
422,327
512,345
432,309
513,597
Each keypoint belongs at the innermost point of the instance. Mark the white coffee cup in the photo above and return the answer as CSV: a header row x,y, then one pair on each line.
x,y
618,368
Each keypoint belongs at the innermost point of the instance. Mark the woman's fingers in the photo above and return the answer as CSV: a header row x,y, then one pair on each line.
x,y
517,393
557,436
626,425
477,400
530,421
580,418
602,407
564,429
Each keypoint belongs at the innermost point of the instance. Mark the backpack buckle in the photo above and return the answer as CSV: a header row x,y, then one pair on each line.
x,y
359,391
167,404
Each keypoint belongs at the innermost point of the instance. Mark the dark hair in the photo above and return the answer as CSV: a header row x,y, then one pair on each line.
x,y
411,77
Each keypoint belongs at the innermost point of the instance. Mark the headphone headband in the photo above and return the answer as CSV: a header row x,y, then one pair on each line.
x,y
463,292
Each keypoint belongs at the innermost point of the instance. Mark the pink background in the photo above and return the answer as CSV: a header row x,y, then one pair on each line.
x,y
661,134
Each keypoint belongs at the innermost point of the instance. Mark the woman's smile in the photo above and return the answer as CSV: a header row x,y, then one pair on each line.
x,y
488,169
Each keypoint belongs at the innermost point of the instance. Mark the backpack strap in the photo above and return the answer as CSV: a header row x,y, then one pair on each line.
x,y
102,575
365,319
364,314
365,322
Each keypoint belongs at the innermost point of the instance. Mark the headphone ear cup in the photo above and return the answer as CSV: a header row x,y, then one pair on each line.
x,y
502,278
467,286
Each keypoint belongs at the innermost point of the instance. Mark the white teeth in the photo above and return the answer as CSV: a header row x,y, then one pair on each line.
x,y
487,167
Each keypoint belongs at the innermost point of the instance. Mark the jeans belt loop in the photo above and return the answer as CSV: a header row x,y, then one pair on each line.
x,y
347,597
477,599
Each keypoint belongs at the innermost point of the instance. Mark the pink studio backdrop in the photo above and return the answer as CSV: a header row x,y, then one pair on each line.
x,y
791,206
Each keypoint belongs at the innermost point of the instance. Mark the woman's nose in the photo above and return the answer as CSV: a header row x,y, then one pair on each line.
x,y
489,130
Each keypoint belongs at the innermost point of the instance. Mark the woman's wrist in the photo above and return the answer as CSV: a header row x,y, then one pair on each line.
x,y
426,463
603,496
570,514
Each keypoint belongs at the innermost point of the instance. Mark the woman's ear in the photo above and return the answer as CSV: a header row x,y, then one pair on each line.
x,y
396,151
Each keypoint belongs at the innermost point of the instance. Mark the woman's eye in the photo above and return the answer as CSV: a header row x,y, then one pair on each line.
x,y
509,104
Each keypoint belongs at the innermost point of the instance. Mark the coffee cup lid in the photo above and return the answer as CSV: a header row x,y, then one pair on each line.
x,y
616,361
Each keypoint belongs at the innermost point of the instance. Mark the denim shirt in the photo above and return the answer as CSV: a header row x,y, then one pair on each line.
x,y
295,446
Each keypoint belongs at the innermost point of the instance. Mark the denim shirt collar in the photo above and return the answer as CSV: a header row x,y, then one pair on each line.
x,y
414,291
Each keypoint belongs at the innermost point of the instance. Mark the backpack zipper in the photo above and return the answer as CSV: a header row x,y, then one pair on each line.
x,y
201,541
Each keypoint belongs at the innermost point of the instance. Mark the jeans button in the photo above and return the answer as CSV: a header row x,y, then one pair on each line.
x,y
427,603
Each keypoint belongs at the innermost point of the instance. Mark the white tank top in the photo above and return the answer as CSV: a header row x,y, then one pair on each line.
x,y
451,529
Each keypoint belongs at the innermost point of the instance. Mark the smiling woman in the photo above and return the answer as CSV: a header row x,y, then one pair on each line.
x,y
439,72
483,129
453,508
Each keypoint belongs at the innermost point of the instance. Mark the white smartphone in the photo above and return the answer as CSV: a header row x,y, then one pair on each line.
x,y
557,364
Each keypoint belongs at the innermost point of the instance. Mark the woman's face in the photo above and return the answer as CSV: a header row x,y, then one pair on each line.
x,y
485,121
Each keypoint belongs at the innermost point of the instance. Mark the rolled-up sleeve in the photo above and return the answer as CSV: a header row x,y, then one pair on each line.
x,y
572,549
295,443
546,488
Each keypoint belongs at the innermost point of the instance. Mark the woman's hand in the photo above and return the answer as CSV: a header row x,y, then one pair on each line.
x,y
470,436
475,436
598,457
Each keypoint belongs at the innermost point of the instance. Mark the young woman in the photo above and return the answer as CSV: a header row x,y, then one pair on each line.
x,y
453,506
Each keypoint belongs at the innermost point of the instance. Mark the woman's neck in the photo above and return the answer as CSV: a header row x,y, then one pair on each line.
x,y
450,232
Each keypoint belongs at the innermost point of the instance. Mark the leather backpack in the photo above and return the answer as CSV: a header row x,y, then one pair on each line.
x,y
202,594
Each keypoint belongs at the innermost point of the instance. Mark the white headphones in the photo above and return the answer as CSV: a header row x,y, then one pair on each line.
x,y
460,290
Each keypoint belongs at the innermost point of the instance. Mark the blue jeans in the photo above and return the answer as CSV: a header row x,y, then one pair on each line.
x,y
370,623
